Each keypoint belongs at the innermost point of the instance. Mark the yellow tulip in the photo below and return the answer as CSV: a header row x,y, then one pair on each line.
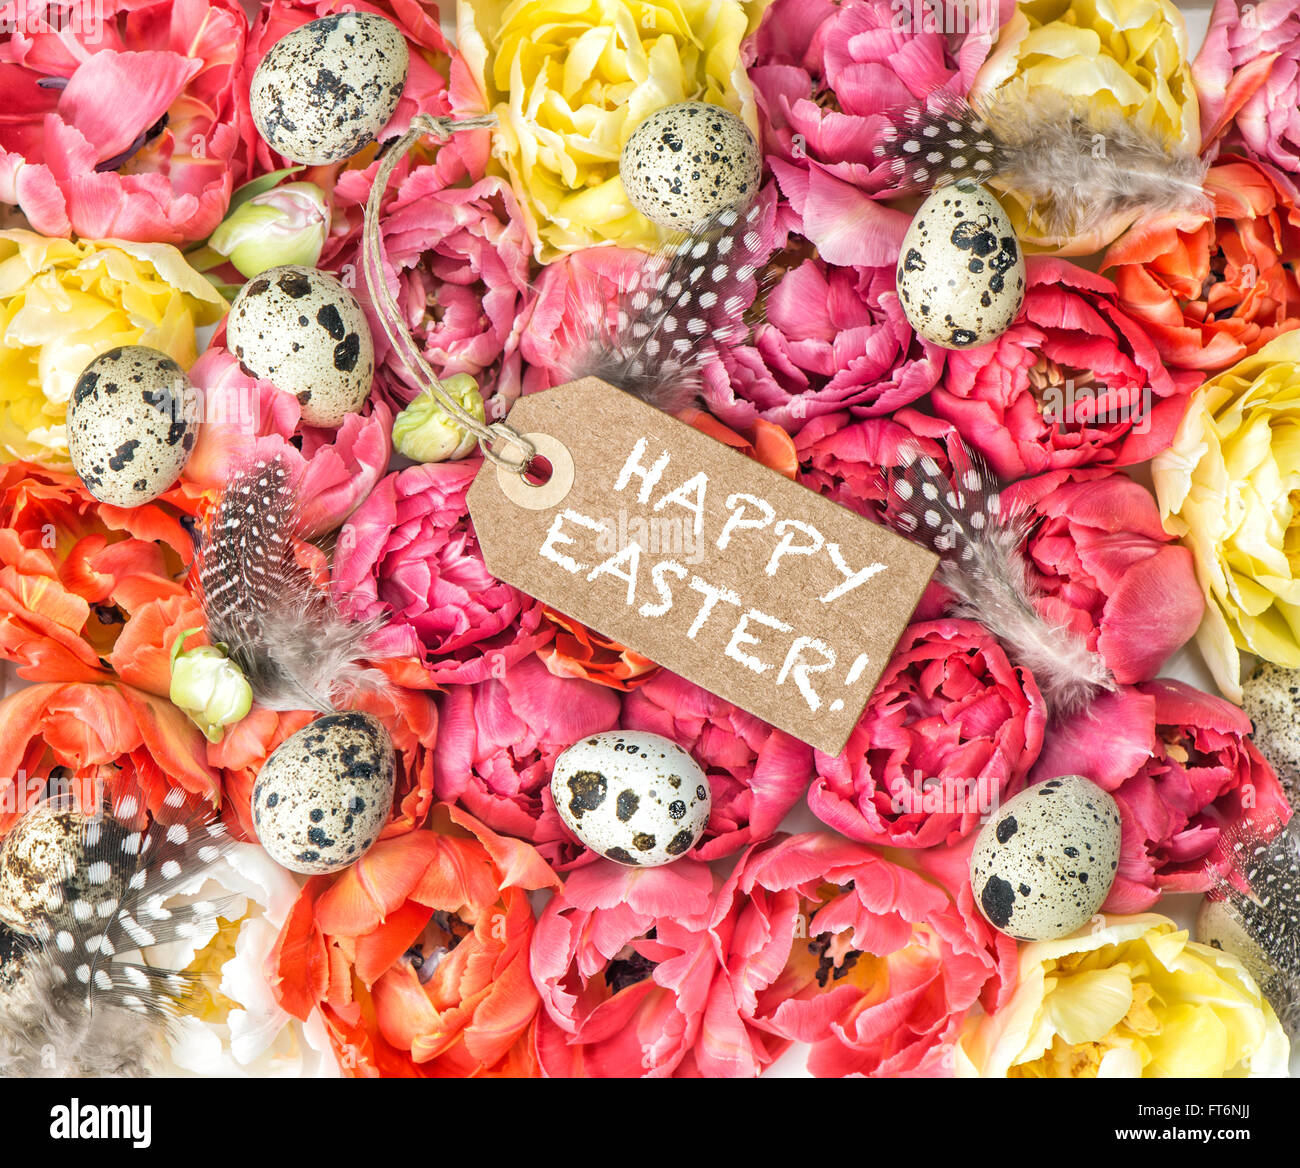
x,y
1125,56
569,80
62,303
1228,487
1127,997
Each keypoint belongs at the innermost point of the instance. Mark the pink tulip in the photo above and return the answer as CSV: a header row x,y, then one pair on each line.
x,y
951,731
434,85
1074,382
498,743
629,979
756,773
850,462
847,461
1248,77
456,259
122,119
575,301
826,77
833,339
1182,767
1110,570
826,942
245,417
409,554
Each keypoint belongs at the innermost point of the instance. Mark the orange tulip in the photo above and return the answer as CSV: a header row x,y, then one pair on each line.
x,y
417,955
580,652
766,442
99,740
1212,291
75,572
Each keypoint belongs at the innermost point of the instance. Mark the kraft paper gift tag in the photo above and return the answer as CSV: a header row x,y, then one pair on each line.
x,y
710,564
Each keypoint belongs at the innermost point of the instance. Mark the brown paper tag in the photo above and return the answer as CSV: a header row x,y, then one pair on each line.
x,y
687,552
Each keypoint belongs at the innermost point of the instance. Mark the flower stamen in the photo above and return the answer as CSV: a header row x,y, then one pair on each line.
x,y
141,141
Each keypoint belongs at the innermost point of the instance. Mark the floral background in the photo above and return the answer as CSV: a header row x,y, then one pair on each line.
x,y
552,960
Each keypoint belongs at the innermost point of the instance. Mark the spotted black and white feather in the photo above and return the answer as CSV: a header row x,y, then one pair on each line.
x,y
684,302
1260,891
980,544
83,899
278,625
1082,168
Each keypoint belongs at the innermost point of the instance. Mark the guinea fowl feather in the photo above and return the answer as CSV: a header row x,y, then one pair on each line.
x,y
980,545
77,996
1082,168
1260,890
278,625
681,303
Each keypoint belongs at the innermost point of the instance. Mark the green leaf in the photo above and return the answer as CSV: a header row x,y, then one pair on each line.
x,y
229,291
205,258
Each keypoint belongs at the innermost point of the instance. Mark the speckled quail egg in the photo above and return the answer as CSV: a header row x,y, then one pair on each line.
x,y
634,797
961,274
1045,863
132,423
687,162
15,955
1271,698
325,793
326,89
57,866
301,330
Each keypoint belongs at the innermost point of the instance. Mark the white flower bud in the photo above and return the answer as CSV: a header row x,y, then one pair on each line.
x,y
285,225
209,687
424,432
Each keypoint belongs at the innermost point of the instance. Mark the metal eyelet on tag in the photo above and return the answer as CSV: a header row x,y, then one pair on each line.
x,y
540,496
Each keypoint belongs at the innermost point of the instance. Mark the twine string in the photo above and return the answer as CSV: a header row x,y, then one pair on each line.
x,y
390,318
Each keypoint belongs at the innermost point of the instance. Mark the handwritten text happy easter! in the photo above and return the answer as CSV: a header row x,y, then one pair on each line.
x,y
747,526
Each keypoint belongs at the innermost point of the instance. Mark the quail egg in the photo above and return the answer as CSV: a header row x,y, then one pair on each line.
x,y
634,797
1045,863
325,793
327,88
15,956
686,162
132,423
56,866
301,330
961,274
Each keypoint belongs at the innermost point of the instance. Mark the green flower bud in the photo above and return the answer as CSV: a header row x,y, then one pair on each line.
x,y
209,687
285,225
425,432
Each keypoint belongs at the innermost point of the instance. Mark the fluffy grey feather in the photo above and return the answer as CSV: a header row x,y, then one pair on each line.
x,y
1260,891
1082,168
982,563
46,1031
81,899
684,301
278,625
